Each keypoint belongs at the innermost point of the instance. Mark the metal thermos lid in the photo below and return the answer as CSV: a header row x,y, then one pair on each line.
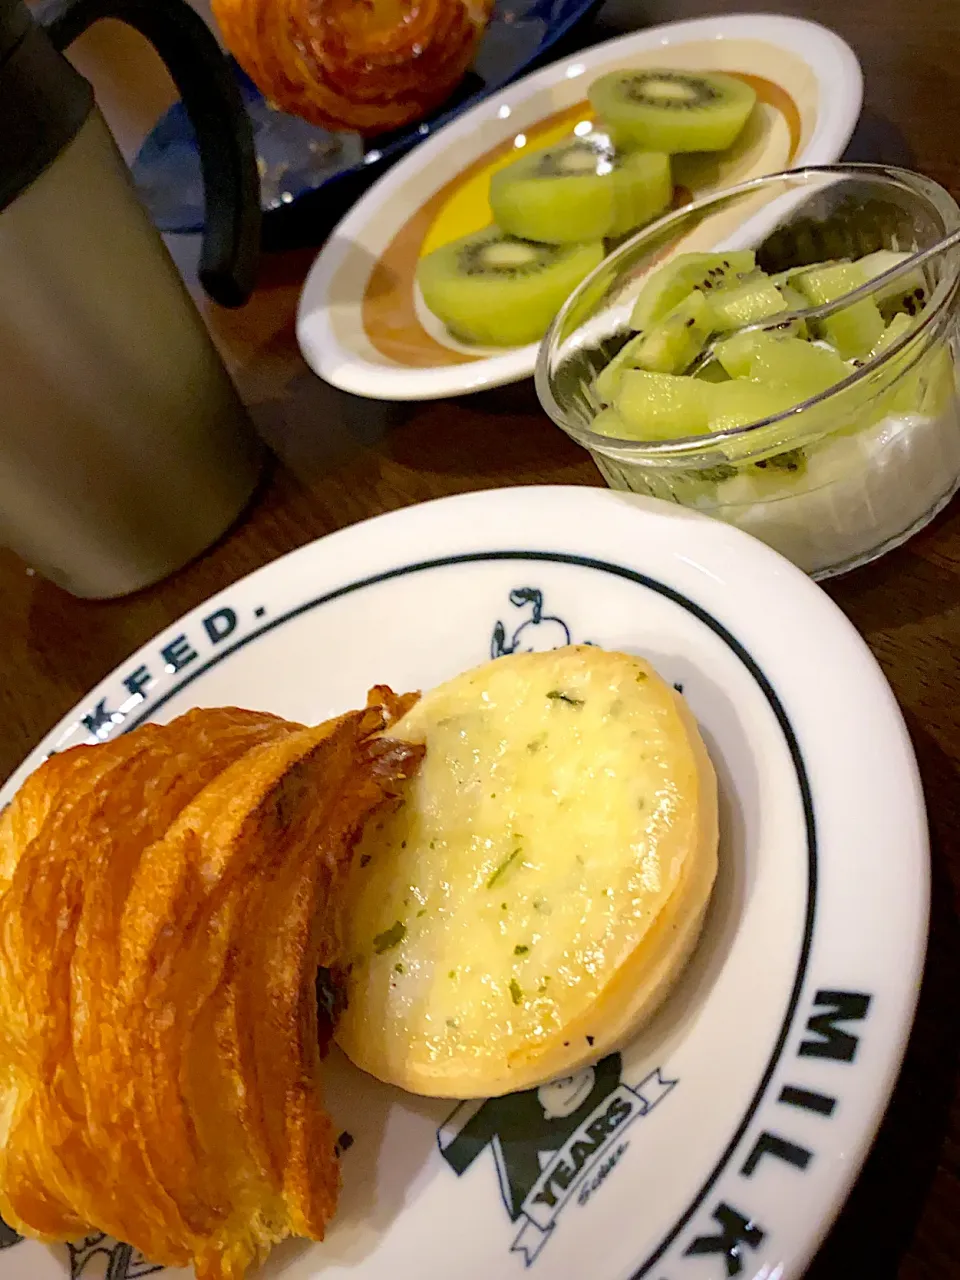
x,y
43,100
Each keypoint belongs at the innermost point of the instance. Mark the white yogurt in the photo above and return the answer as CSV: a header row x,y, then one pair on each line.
x,y
857,495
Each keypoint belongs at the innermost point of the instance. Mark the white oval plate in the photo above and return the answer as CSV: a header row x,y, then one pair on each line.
x,y
726,1137
361,324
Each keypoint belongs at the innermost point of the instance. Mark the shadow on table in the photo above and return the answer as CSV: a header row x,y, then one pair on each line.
x,y
876,140
492,438
896,1187
904,587
503,434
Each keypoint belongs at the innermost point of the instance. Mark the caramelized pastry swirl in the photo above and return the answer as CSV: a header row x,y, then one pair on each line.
x,y
362,65
166,900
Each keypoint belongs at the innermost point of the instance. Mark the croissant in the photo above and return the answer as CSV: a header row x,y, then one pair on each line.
x,y
362,65
166,900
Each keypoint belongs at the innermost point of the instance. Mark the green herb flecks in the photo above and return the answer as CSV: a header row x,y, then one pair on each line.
x,y
516,995
503,868
520,949
390,938
398,968
557,695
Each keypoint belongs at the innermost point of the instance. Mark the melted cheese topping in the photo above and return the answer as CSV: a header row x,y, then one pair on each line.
x,y
564,810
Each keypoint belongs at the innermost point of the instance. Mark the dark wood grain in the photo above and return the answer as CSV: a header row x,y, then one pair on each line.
x,y
340,459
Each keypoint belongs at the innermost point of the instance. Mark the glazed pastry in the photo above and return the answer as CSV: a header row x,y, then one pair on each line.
x,y
166,900
363,65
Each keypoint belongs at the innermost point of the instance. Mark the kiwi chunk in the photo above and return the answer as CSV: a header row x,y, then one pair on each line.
x,y
500,290
607,382
796,363
712,371
756,299
686,272
745,400
908,294
672,111
734,354
609,423
581,189
662,406
915,383
856,329
672,345
795,301
899,326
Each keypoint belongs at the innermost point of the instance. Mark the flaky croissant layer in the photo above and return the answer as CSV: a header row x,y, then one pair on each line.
x,y
362,65
165,902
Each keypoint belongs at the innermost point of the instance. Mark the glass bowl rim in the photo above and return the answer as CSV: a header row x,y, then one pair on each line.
x,y
923,187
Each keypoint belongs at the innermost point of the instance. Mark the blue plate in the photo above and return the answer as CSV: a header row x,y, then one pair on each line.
x,y
297,159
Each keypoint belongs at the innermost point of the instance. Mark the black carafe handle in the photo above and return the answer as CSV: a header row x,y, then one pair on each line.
x,y
204,80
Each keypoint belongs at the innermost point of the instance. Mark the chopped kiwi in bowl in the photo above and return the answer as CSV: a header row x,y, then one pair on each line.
x,y
830,438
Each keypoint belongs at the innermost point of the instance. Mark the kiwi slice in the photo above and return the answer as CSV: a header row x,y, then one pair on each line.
x,y
686,272
672,111
581,189
856,329
499,290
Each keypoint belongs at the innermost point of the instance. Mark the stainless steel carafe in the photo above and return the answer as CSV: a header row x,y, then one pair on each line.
x,y
124,448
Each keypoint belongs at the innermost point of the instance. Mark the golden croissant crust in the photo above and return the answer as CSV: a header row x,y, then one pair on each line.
x,y
166,900
362,65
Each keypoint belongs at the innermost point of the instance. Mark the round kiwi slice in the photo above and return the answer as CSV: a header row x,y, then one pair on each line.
x,y
672,110
580,189
500,290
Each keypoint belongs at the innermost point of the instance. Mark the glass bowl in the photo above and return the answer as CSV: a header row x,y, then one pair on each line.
x,y
842,477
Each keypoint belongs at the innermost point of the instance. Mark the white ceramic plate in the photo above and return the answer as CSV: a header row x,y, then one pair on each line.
x,y
723,1140
361,323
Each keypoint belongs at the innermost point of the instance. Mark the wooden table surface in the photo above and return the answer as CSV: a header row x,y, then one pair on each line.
x,y
341,459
